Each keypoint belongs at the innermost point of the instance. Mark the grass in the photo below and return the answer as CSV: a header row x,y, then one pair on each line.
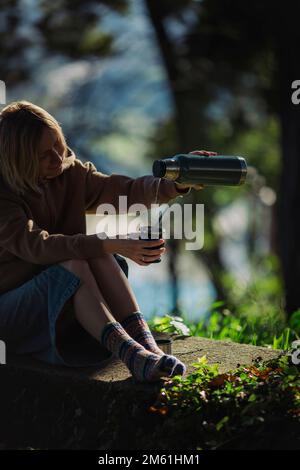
x,y
254,406
217,409
223,326
253,313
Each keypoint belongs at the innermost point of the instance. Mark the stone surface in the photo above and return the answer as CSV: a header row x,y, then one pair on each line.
x,y
55,407
225,353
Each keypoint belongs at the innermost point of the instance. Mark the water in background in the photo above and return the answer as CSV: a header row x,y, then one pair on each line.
x,y
153,289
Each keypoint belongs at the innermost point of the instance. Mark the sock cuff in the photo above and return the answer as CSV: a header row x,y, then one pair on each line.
x,y
108,329
133,317
140,335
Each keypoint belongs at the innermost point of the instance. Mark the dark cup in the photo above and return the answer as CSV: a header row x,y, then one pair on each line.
x,y
146,233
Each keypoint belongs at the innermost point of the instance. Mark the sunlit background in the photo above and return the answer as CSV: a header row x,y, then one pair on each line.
x,y
132,81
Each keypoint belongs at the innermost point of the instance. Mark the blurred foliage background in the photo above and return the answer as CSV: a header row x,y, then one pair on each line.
x,y
135,80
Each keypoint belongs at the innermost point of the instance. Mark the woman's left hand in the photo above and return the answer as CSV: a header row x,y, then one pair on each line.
x,y
198,187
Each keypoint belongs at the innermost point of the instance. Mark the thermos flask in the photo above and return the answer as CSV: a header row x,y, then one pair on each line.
x,y
207,170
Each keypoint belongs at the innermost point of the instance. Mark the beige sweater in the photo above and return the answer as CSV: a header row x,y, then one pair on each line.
x,y
36,231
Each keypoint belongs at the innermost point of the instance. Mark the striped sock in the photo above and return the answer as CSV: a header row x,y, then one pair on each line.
x,y
143,365
137,327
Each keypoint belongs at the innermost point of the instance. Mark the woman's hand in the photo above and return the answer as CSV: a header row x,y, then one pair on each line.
x,y
198,187
135,249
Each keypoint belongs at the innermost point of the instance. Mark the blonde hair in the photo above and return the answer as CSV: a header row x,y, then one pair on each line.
x,y
21,126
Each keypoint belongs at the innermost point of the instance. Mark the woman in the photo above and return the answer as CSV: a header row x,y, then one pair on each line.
x,y
63,297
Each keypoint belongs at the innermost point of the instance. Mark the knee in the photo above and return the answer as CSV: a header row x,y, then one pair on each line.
x,y
77,266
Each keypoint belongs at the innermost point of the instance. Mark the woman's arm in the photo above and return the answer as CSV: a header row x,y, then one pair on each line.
x,y
101,188
22,237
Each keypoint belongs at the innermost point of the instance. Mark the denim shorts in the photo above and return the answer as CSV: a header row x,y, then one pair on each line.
x,y
29,315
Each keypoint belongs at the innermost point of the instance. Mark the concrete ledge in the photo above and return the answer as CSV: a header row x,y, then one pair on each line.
x,y
53,407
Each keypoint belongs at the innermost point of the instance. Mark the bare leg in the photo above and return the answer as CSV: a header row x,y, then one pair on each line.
x,y
90,308
93,313
114,286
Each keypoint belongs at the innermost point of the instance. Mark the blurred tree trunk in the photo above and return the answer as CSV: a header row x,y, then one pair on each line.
x,y
184,88
172,260
289,203
188,101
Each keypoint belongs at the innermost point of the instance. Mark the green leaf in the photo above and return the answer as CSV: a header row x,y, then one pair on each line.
x,y
221,423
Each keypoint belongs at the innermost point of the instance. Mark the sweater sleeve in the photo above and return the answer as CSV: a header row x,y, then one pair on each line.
x,y
102,189
22,237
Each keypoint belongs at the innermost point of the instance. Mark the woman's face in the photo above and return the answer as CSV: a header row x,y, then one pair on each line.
x,y
50,154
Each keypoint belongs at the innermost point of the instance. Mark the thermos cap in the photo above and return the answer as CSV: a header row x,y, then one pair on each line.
x,y
167,168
